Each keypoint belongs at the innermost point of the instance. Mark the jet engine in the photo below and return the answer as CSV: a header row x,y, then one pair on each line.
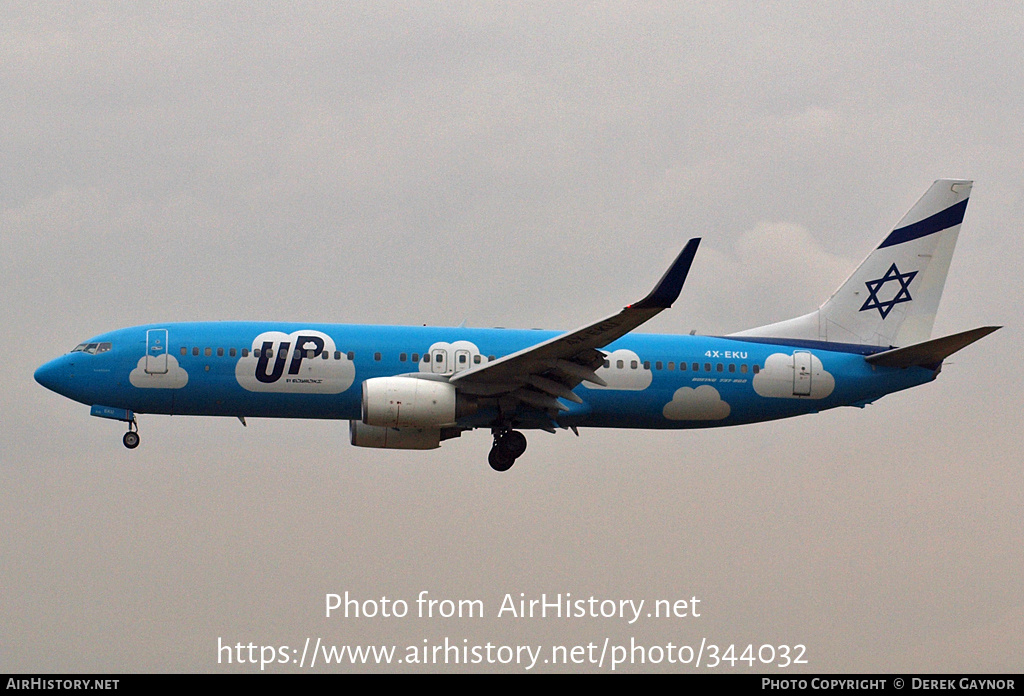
x,y
409,402
363,435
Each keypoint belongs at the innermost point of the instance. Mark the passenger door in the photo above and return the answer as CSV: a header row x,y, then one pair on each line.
x,y
801,373
156,351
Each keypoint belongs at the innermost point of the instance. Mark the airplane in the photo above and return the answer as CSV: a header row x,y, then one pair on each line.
x,y
412,387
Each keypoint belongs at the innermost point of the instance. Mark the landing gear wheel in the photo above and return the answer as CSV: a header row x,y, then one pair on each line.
x,y
509,445
513,442
499,459
131,439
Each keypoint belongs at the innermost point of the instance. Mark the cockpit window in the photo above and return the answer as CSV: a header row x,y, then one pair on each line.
x,y
92,348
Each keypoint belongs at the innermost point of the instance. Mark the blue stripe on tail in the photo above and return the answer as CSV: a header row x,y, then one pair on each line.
x,y
953,215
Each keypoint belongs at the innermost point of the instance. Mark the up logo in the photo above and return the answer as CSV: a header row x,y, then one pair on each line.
x,y
302,362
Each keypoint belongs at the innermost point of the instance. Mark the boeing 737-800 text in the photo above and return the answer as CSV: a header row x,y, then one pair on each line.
x,y
407,387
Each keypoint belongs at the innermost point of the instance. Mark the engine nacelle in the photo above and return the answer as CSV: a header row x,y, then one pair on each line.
x,y
363,435
408,402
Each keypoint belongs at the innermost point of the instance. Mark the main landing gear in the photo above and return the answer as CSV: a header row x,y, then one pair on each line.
x,y
131,438
508,446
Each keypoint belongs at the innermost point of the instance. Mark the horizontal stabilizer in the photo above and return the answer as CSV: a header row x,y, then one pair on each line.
x,y
930,352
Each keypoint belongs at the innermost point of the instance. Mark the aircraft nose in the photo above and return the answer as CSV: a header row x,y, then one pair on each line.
x,y
49,375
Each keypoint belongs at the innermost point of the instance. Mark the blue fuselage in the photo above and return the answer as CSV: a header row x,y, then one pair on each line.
x,y
284,370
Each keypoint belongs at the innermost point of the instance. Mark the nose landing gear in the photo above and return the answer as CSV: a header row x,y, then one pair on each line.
x,y
131,438
508,446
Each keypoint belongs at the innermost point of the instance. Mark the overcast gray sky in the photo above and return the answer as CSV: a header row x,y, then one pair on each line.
x,y
527,165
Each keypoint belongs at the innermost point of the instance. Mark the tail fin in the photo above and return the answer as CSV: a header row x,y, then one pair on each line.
x,y
893,296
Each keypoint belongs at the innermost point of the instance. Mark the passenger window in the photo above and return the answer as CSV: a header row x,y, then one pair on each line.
x,y
184,350
671,366
220,352
657,365
325,355
462,359
647,364
245,352
255,352
415,357
195,350
619,364
207,352
232,352
376,356
351,355
490,358
402,357
438,357
476,359
743,368
719,367
337,355
732,367
696,367
756,369
707,367
607,363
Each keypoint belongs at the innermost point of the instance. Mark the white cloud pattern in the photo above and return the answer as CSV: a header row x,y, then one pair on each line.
x,y
287,370
451,359
702,403
775,380
632,376
174,378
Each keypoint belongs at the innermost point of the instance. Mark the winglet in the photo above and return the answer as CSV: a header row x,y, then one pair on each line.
x,y
671,284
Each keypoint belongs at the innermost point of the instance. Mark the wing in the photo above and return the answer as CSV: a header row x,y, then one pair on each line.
x,y
541,374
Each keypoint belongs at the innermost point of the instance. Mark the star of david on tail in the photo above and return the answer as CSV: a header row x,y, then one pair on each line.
x,y
902,295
